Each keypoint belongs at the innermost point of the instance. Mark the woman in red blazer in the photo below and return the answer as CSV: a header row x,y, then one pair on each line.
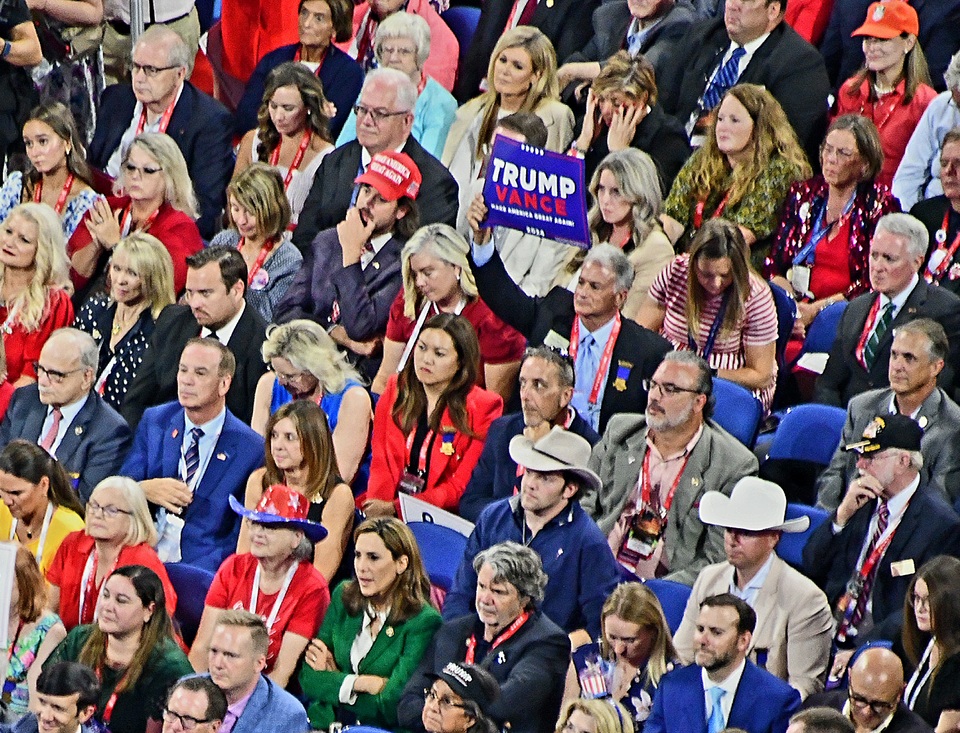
x,y
431,421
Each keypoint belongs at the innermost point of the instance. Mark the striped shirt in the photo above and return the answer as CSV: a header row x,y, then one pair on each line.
x,y
757,327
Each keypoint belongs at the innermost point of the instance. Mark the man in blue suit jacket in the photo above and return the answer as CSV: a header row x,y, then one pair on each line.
x,y
90,439
188,474
740,694
199,125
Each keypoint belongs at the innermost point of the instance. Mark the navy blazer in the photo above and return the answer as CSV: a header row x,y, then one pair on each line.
x,y
495,475
93,446
211,528
637,349
762,704
200,126
156,380
340,75
329,197
530,667
929,527
844,376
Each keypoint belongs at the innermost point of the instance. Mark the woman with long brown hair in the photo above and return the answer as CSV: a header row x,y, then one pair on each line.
x,y
431,421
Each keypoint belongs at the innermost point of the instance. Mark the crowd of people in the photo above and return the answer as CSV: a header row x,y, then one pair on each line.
x,y
253,305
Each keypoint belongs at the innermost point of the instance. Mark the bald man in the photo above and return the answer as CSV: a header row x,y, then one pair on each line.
x,y
873,699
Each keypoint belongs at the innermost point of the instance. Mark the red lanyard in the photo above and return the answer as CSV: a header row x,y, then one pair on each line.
x,y
877,553
112,702
297,159
941,236
297,58
164,118
871,114
61,199
424,448
698,212
646,489
265,251
601,375
507,634
90,590
126,222
867,330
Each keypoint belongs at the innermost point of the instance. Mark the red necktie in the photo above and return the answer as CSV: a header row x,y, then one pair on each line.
x,y
51,436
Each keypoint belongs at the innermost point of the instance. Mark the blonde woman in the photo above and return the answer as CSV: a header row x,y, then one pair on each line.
x,y
122,321
33,275
437,279
155,195
258,214
595,716
305,364
521,77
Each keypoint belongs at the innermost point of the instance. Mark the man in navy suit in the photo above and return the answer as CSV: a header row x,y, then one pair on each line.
x,y
722,689
161,100
65,415
190,456
546,388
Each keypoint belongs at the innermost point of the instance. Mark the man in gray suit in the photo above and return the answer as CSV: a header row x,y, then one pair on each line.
x,y
655,468
794,621
917,356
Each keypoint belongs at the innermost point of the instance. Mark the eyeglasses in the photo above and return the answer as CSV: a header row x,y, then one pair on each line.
x,y
290,378
376,115
877,707
666,388
398,50
52,374
445,703
920,601
149,71
841,153
187,722
130,168
109,511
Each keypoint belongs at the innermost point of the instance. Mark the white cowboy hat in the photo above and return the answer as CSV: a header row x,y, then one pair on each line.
x,y
558,450
754,505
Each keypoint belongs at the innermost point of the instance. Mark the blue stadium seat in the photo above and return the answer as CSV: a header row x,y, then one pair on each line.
x,y
673,599
786,315
737,411
463,22
442,549
790,547
823,330
808,433
191,584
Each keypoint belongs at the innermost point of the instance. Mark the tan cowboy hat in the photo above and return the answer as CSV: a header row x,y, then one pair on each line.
x,y
754,505
558,450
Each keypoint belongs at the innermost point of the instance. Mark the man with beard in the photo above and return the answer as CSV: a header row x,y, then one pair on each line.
x,y
655,468
722,688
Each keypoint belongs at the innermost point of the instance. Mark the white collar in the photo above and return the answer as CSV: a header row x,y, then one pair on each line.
x,y
225,332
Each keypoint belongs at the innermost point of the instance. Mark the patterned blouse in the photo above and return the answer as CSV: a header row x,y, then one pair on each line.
x,y
22,657
11,196
758,211
758,326
117,367
804,203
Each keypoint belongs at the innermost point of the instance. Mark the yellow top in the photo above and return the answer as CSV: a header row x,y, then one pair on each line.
x,y
63,522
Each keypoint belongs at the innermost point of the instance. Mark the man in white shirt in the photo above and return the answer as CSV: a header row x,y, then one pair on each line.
x,y
722,688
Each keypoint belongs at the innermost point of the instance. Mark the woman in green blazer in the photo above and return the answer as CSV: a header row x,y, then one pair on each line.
x,y
376,629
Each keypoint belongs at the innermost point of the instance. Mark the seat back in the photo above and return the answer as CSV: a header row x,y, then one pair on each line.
x,y
790,547
191,584
809,433
823,330
786,315
442,550
463,21
673,599
737,411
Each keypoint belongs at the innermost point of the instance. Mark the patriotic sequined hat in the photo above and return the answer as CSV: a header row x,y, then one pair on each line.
x,y
394,175
281,506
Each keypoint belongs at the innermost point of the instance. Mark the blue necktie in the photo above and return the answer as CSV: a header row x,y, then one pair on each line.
x,y
356,188
191,459
587,364
716,723
723,80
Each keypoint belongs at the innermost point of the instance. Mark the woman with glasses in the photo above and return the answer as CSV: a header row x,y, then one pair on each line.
x,y
58,175
293,132
33,275
154,195
122,320
931,643
820,251
119,531
33,633
402,42
132,649
710,301
276,579
300,455
374,634
305,364
941,216
459,699
40,507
